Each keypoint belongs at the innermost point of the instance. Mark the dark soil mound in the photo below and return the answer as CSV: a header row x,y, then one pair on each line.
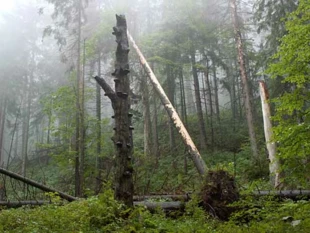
x,y
218,192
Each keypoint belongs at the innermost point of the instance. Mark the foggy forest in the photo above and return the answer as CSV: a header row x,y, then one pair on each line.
x,y
154,116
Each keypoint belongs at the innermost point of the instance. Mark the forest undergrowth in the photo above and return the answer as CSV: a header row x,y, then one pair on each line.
x,y
104,214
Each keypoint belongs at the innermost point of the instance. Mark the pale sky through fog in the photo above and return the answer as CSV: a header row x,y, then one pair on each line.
x,y
6,5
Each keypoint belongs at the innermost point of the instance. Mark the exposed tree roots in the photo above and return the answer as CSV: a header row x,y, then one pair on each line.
x,y
218,192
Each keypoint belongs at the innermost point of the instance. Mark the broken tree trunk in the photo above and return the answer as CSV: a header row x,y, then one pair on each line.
x,y
284,193
16,204
244,79
173,197
274,164
121,106
36,184
167,206
193,151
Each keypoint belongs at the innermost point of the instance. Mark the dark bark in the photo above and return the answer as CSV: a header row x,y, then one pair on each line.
x,y
233,96
244,79
174,197
210,101
78,191
36,184
17,204
183,98
283,193
202,127
167,206
25,125
2,125
183,110
98,115
156,150
82,128
171,92
216,95
155,139
147,116
14,132
121,106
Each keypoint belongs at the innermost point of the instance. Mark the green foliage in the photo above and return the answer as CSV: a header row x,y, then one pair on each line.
x,y
292,107
104,214
268,215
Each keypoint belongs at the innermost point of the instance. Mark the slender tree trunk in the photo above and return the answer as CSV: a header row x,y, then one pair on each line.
x,y
147,116
190,105
206,100
26,119
78,190
183,111
49,122
155,138
156,145
209,91
183,97
36,184
274,163
2,126
199,162
202,127
245,81
82,128
98,114
16,132
234,99
216,95
239,98
171,92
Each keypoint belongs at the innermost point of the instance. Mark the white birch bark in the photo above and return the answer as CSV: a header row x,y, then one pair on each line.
x,y
193,151
274,165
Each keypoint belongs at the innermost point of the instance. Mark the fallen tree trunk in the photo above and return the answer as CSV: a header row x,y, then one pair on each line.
x,y
283,193
167,206
174,197
16,204
36,184
192,149
186,197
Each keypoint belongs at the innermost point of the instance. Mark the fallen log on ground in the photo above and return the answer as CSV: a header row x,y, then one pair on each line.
x,y
167,206
283,193
16,204
186,197
173,197
36,184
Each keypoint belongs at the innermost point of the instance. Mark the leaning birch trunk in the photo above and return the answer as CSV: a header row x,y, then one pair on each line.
x,y
199,162
274,165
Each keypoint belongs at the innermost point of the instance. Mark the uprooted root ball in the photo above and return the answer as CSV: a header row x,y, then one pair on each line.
x,y
218,192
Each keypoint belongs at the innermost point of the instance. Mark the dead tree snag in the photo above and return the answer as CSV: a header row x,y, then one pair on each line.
x,y
121,105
